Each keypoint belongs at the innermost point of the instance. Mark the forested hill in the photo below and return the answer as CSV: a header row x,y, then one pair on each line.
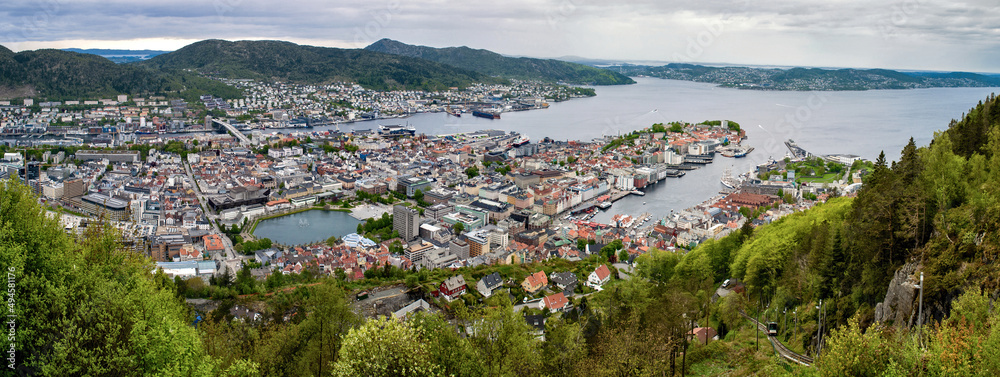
x,y
494,64
286,61
809,78
59,75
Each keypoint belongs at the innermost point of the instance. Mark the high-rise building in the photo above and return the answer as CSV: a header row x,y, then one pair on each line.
x,y
73,188
479,243
406,222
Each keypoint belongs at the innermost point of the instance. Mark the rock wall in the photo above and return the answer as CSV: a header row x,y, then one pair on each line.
x,y
900,305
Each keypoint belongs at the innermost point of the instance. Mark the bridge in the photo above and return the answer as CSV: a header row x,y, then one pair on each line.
x,y
244,140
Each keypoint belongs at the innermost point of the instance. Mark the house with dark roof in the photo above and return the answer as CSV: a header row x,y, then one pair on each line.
x,y
489,283
537,323
565,281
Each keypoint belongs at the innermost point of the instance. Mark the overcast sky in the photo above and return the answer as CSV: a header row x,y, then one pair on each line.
x,y
907,34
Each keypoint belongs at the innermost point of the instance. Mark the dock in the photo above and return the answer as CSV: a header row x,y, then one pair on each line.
x,y
618,195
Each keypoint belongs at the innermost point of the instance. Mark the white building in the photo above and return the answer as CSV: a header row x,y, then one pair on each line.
x,y
600,276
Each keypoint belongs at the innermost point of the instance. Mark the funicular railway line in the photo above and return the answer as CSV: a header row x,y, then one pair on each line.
x,y
779,347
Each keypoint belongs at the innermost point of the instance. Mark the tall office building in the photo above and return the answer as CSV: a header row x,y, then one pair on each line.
x,y
406,222
73,188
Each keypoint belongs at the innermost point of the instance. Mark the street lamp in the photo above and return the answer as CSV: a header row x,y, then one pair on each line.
x,y
785,314
795,314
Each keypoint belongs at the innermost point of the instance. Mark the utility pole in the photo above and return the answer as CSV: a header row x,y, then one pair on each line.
x,y
759,304
920,311
822,327
819,325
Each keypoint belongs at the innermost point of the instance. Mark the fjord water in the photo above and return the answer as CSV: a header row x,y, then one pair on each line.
x,y
851,122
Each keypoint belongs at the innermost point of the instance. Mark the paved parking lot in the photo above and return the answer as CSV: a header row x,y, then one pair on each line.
x,y
368,211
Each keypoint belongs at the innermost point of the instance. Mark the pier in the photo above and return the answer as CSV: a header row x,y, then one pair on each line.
x,y
618,195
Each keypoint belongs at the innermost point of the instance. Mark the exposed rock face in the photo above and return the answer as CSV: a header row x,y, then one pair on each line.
x,y
900,305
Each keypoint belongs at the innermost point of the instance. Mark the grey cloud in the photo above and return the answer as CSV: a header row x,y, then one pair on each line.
x,y
637,29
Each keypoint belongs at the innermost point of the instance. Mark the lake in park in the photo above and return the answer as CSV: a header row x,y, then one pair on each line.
x,y
307,227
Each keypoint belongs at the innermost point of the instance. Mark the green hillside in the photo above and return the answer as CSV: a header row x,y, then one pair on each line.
x,y
286,61
63,75
494,64
67,75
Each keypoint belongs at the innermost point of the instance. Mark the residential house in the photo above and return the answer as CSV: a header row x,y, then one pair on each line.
x,y
537,323
535,282
489,283
555,302
702,334
452,287
565,281
600,275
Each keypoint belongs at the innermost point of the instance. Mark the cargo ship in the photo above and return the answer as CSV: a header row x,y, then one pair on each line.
x,y
488,114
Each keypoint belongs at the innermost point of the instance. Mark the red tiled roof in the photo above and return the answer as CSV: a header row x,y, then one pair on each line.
x,y
556,301
603,272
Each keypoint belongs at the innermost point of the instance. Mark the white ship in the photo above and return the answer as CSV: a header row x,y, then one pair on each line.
x,y
729,181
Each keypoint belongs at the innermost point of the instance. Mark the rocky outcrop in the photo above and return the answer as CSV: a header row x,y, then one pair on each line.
x,y
900,305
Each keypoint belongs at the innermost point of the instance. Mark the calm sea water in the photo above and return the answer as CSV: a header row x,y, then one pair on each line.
x,y
861,123
307,227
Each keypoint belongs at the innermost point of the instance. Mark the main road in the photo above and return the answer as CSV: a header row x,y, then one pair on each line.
x,y
229,258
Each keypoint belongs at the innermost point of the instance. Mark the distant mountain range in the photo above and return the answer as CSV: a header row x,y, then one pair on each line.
x,y
386,65
494,64
809,78
120,56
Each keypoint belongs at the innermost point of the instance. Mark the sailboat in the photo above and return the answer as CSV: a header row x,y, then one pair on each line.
x,y
728,180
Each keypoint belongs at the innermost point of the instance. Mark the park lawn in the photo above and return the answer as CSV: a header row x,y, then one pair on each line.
x,y
826,178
